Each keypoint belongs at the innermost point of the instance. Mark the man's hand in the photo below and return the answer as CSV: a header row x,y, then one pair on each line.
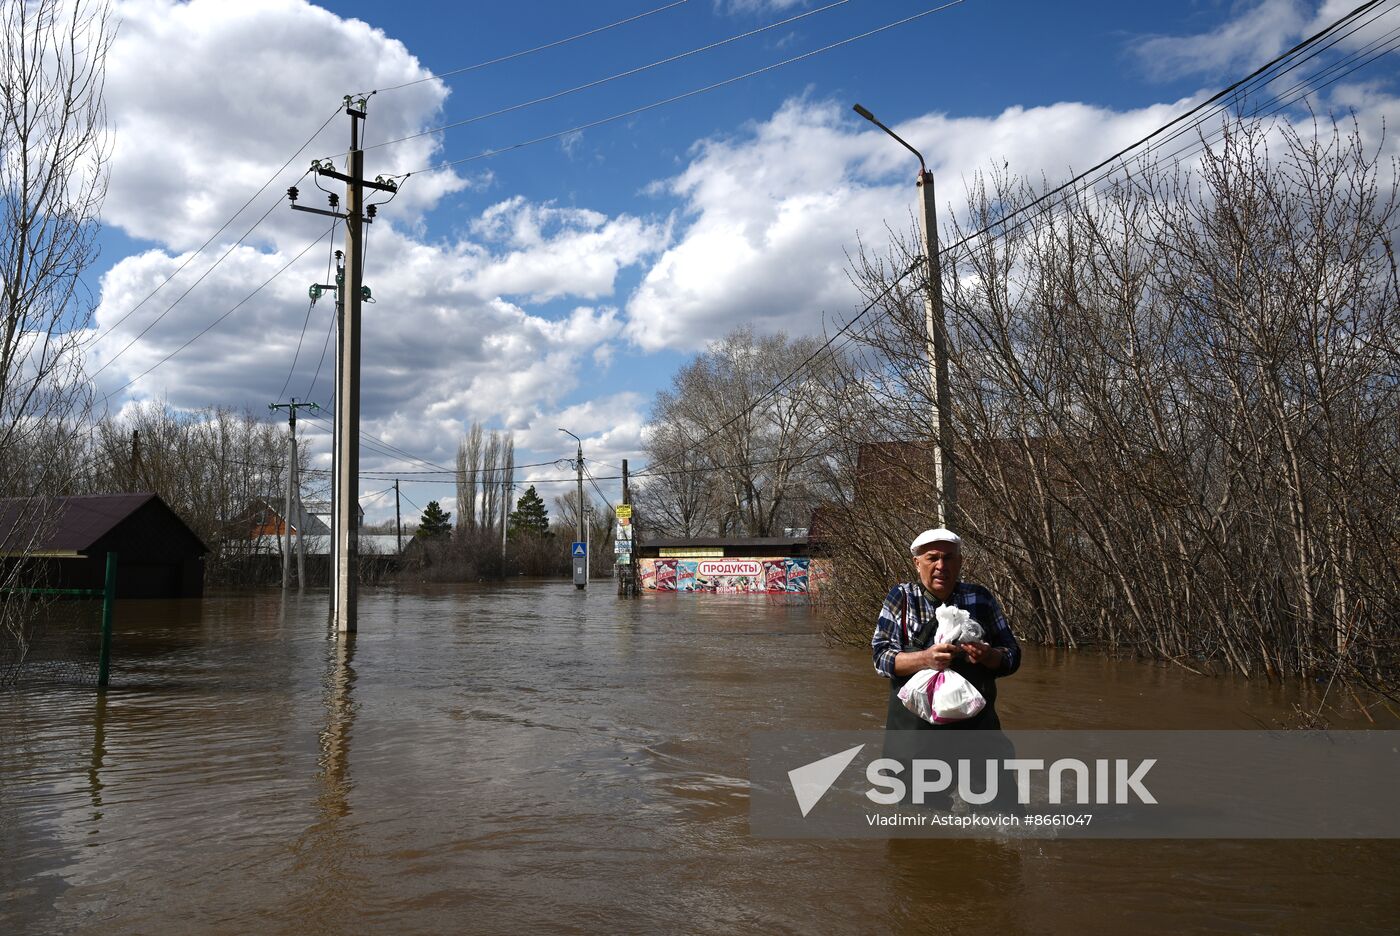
x,y
940,656
989,656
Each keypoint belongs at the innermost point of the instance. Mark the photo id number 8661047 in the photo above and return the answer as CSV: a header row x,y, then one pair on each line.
x,y
1057,819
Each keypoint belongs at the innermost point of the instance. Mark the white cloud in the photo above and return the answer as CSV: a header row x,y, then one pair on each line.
x,y
559,251
1253,37
1257,33
442,346
768,215
773,213
207,99
199,98
757,6
500,321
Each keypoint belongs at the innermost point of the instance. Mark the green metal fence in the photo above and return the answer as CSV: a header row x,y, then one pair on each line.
x,y
59,642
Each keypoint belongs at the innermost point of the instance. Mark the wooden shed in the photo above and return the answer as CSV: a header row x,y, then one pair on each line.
x,y
158,555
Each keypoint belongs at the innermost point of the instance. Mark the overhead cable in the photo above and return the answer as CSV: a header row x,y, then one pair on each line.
x,y
614,77
283,168
687,94
216,321
541,48
1075,180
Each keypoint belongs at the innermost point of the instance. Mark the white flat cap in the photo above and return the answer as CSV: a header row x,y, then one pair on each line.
x,y
939,535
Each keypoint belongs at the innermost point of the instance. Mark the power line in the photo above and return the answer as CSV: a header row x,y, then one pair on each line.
x,y
311,305
449,474
156,321
589,475
687,94
216,321
614,77
541,48
1075,180
376,444
222,228
330,329
1218,96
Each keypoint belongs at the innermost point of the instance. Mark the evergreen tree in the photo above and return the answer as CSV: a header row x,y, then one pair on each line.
x,y
434,522
530,514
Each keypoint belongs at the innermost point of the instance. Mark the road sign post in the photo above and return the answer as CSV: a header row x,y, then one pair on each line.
x,y
579,551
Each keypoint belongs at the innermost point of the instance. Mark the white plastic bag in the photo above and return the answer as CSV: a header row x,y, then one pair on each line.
x,y
955,626
941,696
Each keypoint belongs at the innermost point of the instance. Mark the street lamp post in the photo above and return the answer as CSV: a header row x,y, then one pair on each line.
x,y
944,478
580,580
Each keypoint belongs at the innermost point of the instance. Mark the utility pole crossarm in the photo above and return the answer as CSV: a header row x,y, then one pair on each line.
x,y
381,184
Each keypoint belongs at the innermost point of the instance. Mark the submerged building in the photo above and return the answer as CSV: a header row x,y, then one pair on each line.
x,y
158,555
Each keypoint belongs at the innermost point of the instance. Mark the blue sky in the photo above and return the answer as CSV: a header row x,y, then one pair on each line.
x,y
563,283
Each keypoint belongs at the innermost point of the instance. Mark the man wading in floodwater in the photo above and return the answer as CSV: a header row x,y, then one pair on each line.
x,y
903,645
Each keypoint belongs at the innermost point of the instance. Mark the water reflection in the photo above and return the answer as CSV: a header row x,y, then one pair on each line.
x,y
334,778
326,852
99,754
526,757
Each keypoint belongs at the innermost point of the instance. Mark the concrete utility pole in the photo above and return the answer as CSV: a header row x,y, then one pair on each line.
x,y
945,478
293,499
334,556
580,574
398,517
346,523
347,399
505,520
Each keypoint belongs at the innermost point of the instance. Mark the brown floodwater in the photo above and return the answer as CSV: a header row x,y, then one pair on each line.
x,y
491,759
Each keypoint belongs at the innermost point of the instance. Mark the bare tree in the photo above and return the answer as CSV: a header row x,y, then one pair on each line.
x,y
1176,406
468,475
677,497
53,176
488,481
566,513
214,467
723,428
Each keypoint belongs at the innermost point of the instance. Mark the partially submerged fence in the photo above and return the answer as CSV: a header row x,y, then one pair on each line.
x,y
53,641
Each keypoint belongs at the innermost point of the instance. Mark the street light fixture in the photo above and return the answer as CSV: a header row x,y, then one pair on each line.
x,y
944,478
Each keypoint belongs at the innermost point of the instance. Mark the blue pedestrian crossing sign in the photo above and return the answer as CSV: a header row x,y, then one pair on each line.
x,y
580,551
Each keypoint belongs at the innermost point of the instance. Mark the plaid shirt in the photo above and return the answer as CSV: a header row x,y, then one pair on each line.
x,y
974,599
